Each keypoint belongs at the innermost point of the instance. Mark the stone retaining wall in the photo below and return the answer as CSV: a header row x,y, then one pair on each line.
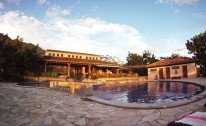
x,y
48,78
142,78
78,88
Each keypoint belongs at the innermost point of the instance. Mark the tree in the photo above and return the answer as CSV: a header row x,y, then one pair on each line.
x,y
144,59
113,59
172,56
197,47
133,59
148,58
18,58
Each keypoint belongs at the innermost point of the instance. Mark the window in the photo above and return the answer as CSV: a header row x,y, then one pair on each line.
x,y
90,58
57,54
86,57
76,56
93,58
49,54
176,72
80,57
69,56
53,54
61,55
96,58
72,56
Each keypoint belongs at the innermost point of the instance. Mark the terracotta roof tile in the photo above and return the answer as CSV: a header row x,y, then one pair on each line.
x,y
169,62
78,61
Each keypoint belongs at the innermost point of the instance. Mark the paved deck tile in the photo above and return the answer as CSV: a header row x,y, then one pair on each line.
x,y
42,106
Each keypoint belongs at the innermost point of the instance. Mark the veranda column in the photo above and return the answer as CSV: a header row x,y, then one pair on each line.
x,y
117,71
45,65
89,69
83,71
68,69
107,71
93,70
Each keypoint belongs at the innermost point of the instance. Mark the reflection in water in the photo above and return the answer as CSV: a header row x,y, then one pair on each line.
x,y
148,92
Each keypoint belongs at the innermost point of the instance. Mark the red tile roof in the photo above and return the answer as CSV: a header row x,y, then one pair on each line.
x,y
50,59
169,62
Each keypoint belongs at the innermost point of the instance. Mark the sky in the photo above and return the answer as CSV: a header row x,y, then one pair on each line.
x,y
105,27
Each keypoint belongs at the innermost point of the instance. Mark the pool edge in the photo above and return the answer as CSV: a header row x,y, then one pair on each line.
x,y
152,105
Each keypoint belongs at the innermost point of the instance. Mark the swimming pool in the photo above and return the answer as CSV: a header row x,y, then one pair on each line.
x,y
147,92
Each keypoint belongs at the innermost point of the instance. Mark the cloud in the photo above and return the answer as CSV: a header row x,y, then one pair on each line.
x,y
90,35
177,2
41,2
180,49
15,23
199,15
167,46
94,8
56,11
17,2
1,5
176,11
78,1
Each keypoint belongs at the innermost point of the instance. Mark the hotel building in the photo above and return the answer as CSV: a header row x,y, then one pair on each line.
x,y
72,63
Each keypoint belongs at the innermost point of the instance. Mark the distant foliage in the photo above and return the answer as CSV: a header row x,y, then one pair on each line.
x,y
112,59
197,47
18,59
144,59
172,56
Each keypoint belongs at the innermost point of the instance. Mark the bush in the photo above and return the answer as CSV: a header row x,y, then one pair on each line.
x,y
54,74
76,77
123,74
94,76
102,75
51,74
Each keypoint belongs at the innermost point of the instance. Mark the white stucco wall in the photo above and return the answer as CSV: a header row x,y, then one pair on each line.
x,y
70,54
191,71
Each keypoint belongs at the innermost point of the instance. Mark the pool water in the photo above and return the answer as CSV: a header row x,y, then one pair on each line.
x,y
147,92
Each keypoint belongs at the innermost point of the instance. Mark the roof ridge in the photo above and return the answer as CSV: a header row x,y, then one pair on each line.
x,y
172,61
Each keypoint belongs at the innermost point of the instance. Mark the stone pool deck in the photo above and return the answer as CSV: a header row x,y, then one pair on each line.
x,y
30,106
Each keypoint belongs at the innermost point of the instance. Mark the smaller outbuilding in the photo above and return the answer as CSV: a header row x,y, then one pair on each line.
x,y
176,68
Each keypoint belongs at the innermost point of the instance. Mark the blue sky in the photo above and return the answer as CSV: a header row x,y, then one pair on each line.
x,y
108,27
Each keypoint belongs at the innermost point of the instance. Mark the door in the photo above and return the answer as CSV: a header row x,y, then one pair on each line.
x,y
184,71
161,73
168,73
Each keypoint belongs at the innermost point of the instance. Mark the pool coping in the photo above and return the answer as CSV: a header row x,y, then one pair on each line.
x,y
18,85
152,105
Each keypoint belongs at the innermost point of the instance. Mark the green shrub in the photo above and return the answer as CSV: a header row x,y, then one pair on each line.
x,y
79,77
51,74
54,74
76,77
